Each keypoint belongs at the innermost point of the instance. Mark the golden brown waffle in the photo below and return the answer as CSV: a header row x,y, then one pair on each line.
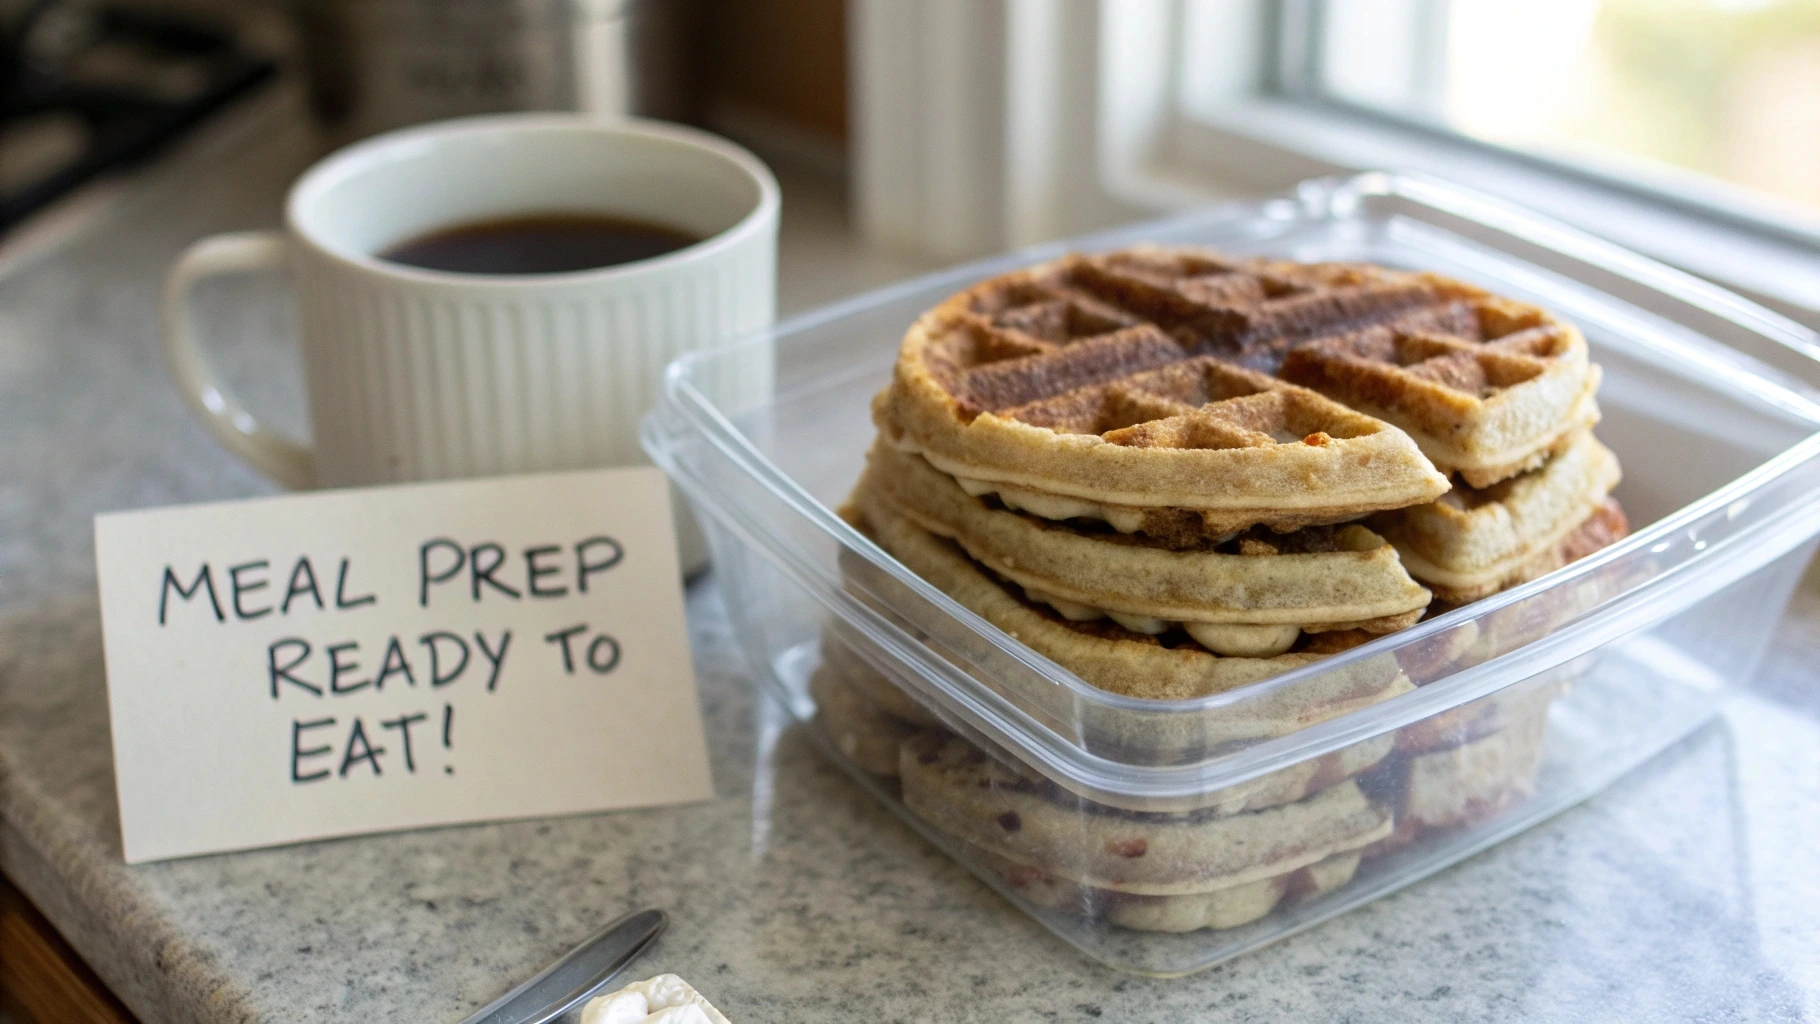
x,y
868,717
859,729
1474,542
1133,387
850,668
1250,596
1487,386
1480,718
1283,786
1221,908
1469,782
958,789
1134,664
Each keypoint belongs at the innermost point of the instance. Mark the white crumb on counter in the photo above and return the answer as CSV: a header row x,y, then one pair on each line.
x,y
665,999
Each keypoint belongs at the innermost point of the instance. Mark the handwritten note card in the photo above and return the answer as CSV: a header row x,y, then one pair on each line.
x,y
323,664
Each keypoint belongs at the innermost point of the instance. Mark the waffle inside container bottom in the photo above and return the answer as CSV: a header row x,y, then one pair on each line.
x,y
1555,738
1171,884
1478,776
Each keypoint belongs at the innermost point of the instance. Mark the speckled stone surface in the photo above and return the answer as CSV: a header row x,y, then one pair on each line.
x,y
1689,891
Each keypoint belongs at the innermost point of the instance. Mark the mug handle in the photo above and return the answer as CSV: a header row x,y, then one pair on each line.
x,y
290,463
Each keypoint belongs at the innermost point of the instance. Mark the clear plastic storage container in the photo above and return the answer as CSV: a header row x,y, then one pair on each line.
x,y
1165,836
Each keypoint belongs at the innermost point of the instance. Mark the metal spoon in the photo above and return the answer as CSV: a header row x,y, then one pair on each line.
x,y
563,985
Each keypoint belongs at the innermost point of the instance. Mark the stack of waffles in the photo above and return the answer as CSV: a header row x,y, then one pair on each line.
x,y
1176,474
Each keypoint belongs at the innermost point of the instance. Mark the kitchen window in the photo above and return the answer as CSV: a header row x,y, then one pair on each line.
x,y
1707,101
1686,129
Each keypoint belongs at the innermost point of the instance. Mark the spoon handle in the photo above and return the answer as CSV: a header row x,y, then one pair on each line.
x,y
562,986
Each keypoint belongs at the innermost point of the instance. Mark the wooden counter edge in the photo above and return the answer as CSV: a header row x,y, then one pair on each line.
x,y
42,980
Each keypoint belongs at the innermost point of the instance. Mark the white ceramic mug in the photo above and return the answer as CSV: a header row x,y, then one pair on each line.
x,y
419,374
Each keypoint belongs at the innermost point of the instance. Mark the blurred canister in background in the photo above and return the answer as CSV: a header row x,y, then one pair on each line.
x,y
381,64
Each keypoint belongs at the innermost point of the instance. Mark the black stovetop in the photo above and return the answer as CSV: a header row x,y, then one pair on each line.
x,y
87,88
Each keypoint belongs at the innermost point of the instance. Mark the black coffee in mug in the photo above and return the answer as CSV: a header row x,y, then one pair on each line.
x,y
554,243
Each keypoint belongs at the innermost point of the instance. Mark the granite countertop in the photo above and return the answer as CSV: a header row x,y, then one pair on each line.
x,y
1688,891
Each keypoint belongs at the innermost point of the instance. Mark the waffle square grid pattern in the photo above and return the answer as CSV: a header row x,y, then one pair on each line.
x,y
1433,353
